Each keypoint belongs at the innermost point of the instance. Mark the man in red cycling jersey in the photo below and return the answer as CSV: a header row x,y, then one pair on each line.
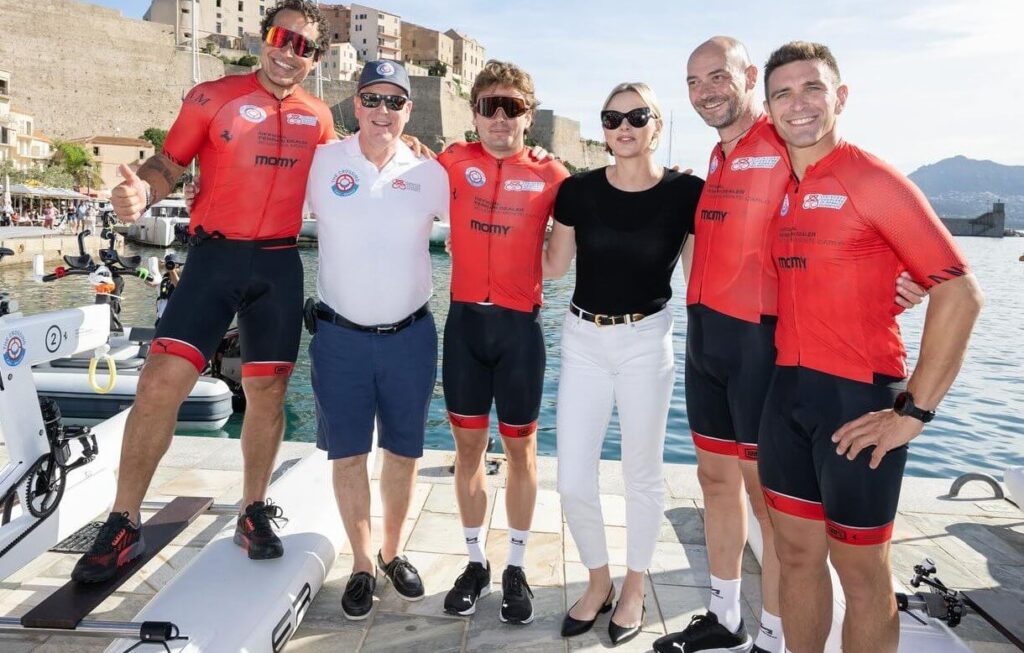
x,y
255,136
839,413
493,343
732,292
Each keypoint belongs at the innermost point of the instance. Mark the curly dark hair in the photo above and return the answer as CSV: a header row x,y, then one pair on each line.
x,y
310,10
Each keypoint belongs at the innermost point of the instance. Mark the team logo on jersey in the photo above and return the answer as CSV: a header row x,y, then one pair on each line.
x,y
300,119
401,184
756,162
714,164
785,205
14,349
252,113
522,186
819,201
345,183
475,176
385,69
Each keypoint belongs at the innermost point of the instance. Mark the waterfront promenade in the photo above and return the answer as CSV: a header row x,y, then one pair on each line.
x,y
976,543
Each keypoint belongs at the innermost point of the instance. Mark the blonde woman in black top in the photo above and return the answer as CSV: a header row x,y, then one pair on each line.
x,y
626,225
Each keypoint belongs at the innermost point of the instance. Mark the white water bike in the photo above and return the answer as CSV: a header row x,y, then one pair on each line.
x,y
57,479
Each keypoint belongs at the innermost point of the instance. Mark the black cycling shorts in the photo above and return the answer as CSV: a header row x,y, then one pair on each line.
x,y
493,353
729,364
801,473
260,282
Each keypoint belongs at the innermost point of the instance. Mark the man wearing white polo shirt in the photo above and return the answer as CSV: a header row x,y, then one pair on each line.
x,y
374,353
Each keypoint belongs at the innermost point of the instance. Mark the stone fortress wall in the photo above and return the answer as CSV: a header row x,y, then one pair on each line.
x,y
81,69
84,70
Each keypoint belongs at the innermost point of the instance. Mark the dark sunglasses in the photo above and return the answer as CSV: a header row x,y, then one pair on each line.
x,y
373,100
279,37
512,106
637,118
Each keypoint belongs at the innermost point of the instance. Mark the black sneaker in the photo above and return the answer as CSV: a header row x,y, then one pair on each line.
x,y
117,544
703,633
516,607
403,576
254,532
357,601
473,583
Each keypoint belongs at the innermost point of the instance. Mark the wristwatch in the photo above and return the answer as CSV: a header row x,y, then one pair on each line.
x,y
905,407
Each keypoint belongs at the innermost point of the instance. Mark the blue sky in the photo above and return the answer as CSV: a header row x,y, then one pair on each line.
x,y
928,78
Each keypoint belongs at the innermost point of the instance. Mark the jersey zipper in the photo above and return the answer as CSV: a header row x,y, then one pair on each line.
x,y
490,235
792,291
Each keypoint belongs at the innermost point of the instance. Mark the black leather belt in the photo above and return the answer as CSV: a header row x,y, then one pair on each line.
x,y
601,319
327,314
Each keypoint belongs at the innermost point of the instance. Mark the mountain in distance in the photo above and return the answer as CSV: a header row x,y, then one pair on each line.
x,y
959,187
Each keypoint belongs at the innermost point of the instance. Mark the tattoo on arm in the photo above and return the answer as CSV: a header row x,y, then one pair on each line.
x,y
161,174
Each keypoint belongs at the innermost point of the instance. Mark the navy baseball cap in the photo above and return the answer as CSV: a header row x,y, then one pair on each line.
x,y
385,71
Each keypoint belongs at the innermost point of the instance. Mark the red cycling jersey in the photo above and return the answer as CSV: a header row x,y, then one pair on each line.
x,y
254,154
842,235
499,211
732,271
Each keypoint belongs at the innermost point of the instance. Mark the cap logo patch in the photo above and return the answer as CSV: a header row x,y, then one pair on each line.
x,y
385,69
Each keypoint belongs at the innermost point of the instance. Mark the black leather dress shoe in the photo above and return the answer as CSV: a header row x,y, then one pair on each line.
x,y
572,627
620,634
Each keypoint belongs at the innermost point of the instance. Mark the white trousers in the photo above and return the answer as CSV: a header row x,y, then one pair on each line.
x,y
630,366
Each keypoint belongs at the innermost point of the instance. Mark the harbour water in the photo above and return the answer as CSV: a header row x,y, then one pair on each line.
x,y
980,425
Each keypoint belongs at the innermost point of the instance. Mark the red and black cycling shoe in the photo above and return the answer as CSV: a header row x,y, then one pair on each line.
x,y
117,544
254,531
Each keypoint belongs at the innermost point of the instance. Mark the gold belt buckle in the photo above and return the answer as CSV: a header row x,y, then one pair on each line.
x,y
599,319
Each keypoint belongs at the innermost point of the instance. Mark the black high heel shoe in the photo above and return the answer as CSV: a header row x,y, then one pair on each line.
x,y
620,634
572,627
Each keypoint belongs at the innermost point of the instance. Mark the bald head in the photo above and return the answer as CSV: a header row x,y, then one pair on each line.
x,y
720,79
731,50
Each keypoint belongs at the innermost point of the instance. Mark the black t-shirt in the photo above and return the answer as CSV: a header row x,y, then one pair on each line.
x,y
627,243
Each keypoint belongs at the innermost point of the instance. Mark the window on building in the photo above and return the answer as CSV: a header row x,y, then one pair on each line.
x,y
184,10
218,4
241,6
142,155
218,28
95,151
3,87
336,37
263,10
241,32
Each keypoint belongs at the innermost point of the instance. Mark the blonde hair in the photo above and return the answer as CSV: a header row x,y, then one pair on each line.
x,y
647,96
503,73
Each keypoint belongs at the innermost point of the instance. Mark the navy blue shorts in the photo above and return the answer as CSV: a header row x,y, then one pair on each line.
x,y
359,377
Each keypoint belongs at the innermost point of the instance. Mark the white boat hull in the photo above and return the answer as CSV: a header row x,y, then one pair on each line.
x,y
207,407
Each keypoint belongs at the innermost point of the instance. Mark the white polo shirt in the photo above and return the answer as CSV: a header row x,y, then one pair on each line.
x,y
373,228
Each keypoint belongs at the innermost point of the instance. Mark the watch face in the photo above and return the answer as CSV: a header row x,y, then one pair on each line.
x,y
901,403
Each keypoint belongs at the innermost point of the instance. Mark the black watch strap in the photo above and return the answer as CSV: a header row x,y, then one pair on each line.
x,y
904,405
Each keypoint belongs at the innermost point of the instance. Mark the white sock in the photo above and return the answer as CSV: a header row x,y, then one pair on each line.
x,y
769,635
517,547
475,541
725,602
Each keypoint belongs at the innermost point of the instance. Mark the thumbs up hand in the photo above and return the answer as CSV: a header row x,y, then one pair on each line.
x,y
129,197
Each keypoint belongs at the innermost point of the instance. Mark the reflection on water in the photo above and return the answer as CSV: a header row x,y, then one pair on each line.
x,y
980,425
